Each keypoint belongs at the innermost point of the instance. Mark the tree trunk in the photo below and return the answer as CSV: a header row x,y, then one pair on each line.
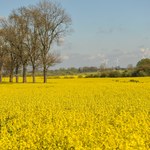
x,y
1,68
33,73
0,75
17,70
11,74
24,74
45,74
11,77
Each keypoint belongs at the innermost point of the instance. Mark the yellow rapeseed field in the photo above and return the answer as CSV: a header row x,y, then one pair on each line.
x,y
76,114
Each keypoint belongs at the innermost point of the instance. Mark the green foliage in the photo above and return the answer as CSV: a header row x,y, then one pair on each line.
x,y
115,73
144,63
127,73
92,75
142,68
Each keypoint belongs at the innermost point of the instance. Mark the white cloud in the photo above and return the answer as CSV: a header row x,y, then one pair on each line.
x,y
91,57
96,56
145,52
65,57
110,58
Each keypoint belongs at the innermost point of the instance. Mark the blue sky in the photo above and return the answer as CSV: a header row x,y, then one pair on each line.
x,y
104,31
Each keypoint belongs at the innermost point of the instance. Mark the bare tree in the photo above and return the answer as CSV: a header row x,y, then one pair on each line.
x,y
30,33
1,62
19,22
12,60
51,60
3,50
32,40
10,65
52,23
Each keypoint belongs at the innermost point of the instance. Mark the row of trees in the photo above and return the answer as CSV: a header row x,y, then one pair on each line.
x,y
141,69
27,37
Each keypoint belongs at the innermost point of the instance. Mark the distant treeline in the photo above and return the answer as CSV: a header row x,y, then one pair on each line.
x,y
73,71
140,70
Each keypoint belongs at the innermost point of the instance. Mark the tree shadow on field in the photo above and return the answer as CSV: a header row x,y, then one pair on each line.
x,y
12,83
